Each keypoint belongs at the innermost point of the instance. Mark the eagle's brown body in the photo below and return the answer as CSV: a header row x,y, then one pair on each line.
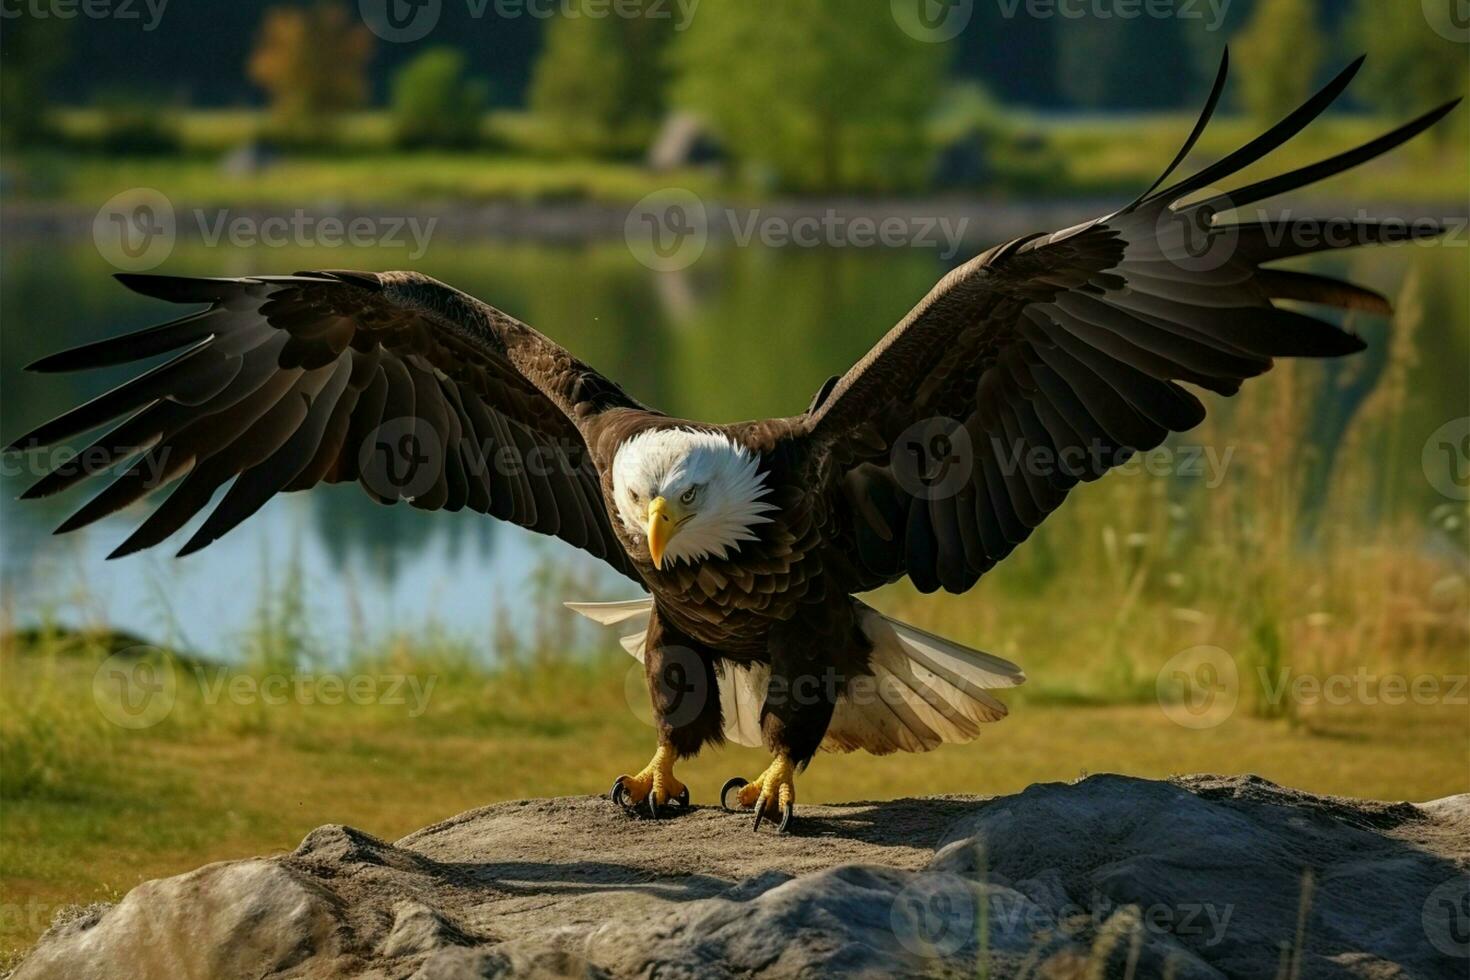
x,y
1071,345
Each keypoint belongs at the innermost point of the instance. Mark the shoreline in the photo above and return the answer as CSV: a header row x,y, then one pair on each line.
x,y
973,222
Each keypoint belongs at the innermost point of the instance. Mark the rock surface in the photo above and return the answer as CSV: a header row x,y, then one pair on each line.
x,y
1197,877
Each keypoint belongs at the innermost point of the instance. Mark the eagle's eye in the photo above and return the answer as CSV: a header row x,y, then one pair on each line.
x,y
688,496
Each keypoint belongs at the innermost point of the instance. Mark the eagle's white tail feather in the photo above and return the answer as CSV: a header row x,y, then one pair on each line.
x,y
634,642
612,613
925,690
956,661
742,692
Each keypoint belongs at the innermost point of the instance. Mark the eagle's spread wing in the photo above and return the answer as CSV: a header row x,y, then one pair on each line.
x,y
1049,359
399,382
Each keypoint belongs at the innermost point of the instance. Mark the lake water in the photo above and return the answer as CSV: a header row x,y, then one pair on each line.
x,y
744,332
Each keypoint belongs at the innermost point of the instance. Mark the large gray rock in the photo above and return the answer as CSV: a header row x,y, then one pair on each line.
x,y
1197,877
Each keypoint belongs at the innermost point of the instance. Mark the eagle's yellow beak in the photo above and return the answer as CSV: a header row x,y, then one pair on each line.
x,y
661,527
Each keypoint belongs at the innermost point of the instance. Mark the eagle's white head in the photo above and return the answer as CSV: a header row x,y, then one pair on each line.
x,y
693,495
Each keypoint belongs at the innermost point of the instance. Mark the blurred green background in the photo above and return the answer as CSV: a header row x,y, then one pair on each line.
x,y
518,98
1323,536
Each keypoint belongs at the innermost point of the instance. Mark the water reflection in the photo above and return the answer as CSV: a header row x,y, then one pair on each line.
x,y
746,332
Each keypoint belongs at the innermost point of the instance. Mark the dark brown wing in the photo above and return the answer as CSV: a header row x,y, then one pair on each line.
x,y
414,389
1052,358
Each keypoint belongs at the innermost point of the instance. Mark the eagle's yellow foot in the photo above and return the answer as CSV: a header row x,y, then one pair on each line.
x,y
772,792
655,785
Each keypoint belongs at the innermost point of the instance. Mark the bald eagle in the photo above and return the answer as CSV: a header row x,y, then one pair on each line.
x,y
1034,366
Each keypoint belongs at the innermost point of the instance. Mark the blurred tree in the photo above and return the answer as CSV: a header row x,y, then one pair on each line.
x,y
133,121
600,81
1110,63
645,40
31,48
580,85
1204,48
1279,51
434,104
981,145
828,94
968,108
313,62
1410,67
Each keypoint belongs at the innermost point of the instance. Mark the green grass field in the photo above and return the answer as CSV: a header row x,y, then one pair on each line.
x,y
92,809
1081,156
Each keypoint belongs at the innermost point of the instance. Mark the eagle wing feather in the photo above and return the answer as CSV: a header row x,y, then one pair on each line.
x,y
284,382
1046,361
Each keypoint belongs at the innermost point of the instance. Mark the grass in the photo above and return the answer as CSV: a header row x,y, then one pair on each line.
x,y
404,179
1121,155
92,808
1079,156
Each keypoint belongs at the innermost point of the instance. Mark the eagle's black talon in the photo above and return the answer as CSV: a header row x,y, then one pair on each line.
x,y
787,811
619,793
735,783
652,806
760,811
682,799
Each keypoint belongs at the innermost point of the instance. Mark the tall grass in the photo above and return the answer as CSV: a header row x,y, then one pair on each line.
x,y
55,742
